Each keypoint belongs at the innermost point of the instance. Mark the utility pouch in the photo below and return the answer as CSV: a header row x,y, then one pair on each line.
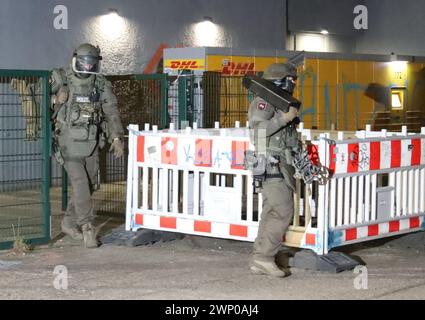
x,y
82,133
258,183
94,96
78,141
255,163
79,133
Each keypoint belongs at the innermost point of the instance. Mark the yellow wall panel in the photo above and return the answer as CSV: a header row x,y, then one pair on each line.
x,y
347,116
381,73
364,76
327,88
307,93
415,87
332,92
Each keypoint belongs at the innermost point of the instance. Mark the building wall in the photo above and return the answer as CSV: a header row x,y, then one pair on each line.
x,y
394,26
312,16
29,40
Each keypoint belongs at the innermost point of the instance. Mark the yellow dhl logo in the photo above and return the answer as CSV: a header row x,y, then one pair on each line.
x,y
196,64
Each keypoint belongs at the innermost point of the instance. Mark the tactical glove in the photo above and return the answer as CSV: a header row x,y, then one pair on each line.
x,y
117,147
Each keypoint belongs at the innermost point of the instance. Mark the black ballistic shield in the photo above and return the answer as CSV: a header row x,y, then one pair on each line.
x,y
271,93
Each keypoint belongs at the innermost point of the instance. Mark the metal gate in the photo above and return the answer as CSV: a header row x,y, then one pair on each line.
x,y
24,157
225,100
206,99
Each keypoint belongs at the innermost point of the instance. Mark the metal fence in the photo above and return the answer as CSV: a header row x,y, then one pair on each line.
x,y
24,157
234,101
186,100
212,97
206,99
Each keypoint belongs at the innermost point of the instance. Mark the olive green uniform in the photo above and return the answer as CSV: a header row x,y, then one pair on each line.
x,y
277,189
80,127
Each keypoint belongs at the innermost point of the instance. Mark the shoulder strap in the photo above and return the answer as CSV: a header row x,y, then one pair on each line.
x,y
68,75
63,74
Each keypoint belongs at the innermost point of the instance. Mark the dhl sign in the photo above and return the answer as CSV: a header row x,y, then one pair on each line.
x,y
239,65
237,69
192,64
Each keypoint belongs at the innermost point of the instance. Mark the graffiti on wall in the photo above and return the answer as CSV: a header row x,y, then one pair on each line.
x,y
344,105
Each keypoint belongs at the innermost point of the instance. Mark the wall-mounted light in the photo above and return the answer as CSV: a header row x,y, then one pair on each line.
x,y
207,19
399,74
113,12
311,42
112,24
396,58
206,32
397,64
324,32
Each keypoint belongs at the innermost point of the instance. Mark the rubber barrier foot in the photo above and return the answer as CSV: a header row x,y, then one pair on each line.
x,y
332,262
120,237
145,237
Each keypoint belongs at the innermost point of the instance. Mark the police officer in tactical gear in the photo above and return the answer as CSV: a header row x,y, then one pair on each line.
x,y
274,132
85,115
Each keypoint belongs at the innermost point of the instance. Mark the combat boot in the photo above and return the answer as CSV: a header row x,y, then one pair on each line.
x,y
266,267
89,234
71,229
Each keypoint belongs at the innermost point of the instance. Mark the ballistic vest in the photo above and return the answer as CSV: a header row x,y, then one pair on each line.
x,y
77,124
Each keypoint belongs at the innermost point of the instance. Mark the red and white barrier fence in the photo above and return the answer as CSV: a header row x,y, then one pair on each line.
x,y
378,186
193,181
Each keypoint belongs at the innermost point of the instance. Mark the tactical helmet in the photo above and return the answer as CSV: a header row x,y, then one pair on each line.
x,y
278,73
86,60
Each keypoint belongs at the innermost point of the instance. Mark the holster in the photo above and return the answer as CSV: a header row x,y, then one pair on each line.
x,y
272,171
